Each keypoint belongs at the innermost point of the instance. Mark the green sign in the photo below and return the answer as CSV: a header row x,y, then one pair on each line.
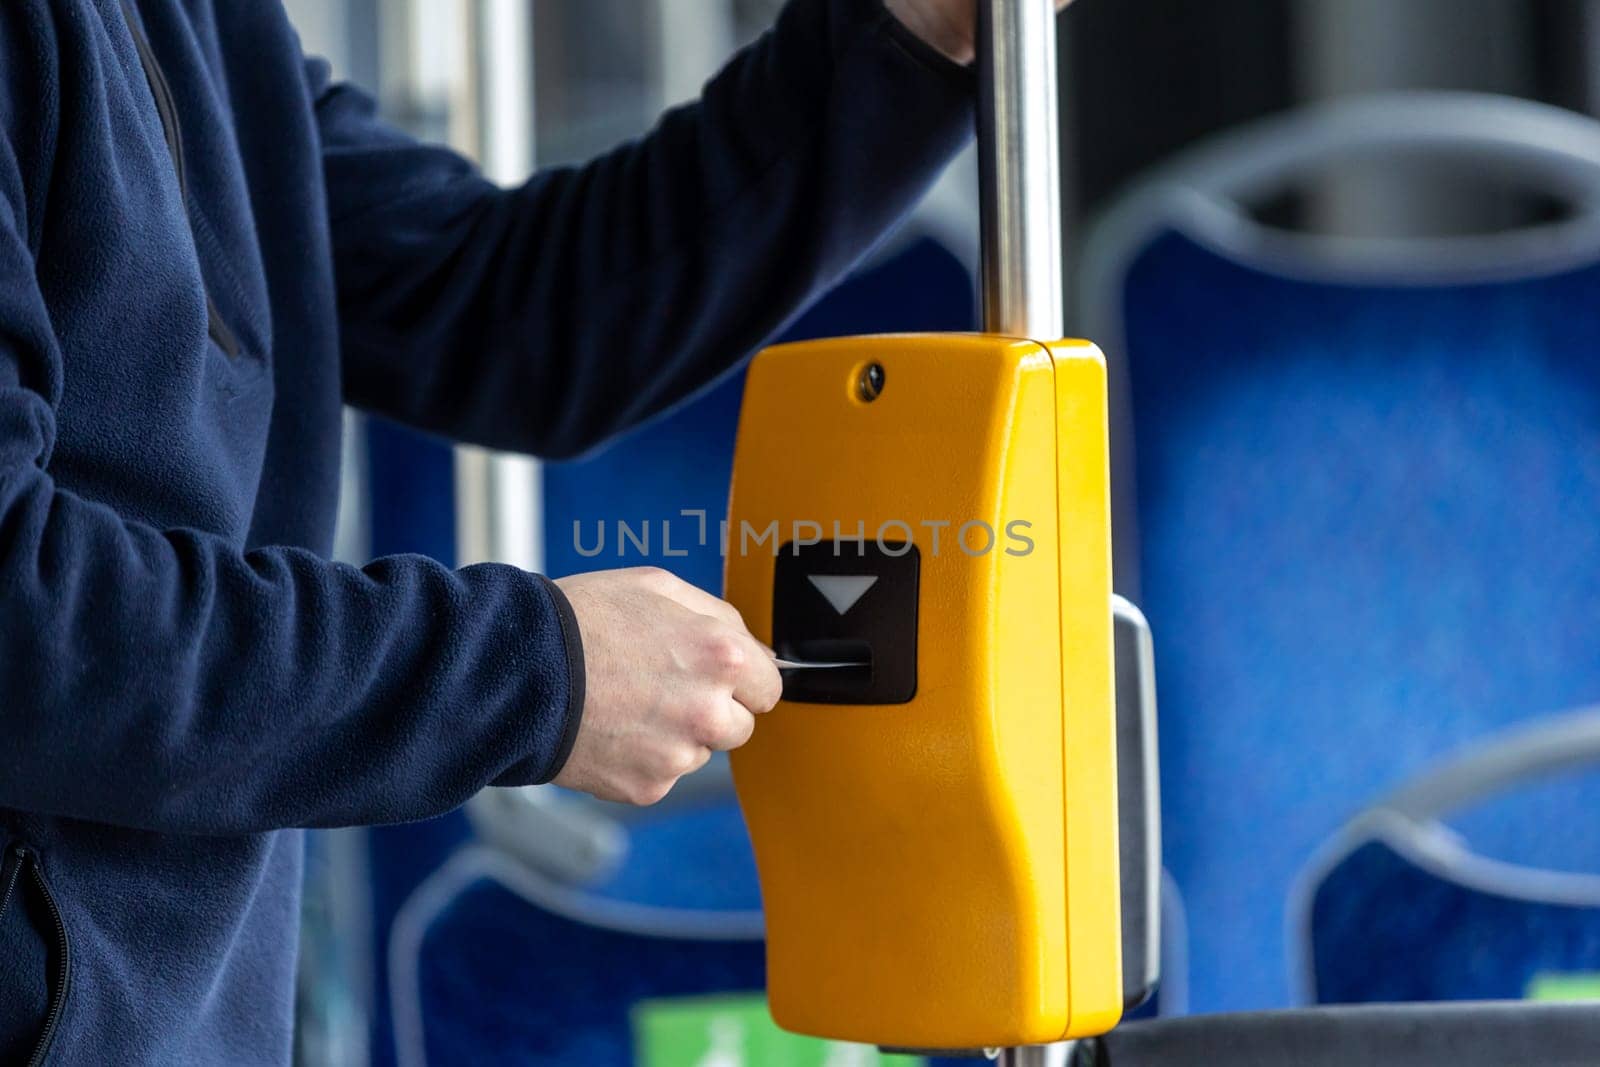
x,y
737,1031
1552,985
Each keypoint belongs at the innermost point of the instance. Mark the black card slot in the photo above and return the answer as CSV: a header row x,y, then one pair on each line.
x,y
835,603
832,651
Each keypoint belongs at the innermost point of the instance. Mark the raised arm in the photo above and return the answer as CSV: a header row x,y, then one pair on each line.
x,y
551,316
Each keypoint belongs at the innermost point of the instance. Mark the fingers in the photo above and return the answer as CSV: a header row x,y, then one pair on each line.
x,y
725,727
762,687
740,729
678,762
720,726
744,665
702,756
758,686
674,676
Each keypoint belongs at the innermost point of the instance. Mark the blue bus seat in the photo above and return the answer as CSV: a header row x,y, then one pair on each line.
x,y
1361,497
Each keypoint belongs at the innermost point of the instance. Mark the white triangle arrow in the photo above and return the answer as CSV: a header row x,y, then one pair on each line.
x,y
842,590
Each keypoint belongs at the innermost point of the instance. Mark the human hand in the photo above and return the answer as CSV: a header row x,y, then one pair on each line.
x,y
671,674
951,26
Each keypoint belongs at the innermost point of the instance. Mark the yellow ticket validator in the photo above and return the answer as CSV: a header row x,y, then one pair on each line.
x,y
934,814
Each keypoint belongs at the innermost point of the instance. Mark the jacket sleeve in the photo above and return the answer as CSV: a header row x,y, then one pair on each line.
x,y
549,317
167,680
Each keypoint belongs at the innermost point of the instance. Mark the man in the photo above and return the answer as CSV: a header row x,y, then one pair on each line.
x,y
206,248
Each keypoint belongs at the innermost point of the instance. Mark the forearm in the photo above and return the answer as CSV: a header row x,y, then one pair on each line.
x,y
166,681
555,315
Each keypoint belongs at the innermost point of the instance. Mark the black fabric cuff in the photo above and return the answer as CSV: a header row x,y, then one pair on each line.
x,y
576,679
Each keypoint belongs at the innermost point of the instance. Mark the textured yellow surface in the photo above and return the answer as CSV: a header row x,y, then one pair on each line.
x,y
941,873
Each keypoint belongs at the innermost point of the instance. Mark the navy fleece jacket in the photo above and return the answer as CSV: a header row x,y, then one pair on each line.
x,y
205,248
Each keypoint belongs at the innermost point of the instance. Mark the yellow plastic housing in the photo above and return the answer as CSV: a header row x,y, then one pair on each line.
x,y
941,873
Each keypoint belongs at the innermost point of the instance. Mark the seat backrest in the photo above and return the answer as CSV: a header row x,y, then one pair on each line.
x,y
509,966
1400,906
1401,918
1366,489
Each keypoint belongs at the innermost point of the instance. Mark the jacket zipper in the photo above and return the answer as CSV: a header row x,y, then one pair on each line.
x,y
10,868
172,132
63,949
18,857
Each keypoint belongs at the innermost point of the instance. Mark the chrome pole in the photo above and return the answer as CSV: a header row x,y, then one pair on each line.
x,y
1019,177
1019,168
499,497
1036,1056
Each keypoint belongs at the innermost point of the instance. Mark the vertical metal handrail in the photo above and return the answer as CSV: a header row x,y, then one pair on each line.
x,y
1019,178
1019,167
499,497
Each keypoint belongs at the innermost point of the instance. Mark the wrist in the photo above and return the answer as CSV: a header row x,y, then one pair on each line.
x,y
577,681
